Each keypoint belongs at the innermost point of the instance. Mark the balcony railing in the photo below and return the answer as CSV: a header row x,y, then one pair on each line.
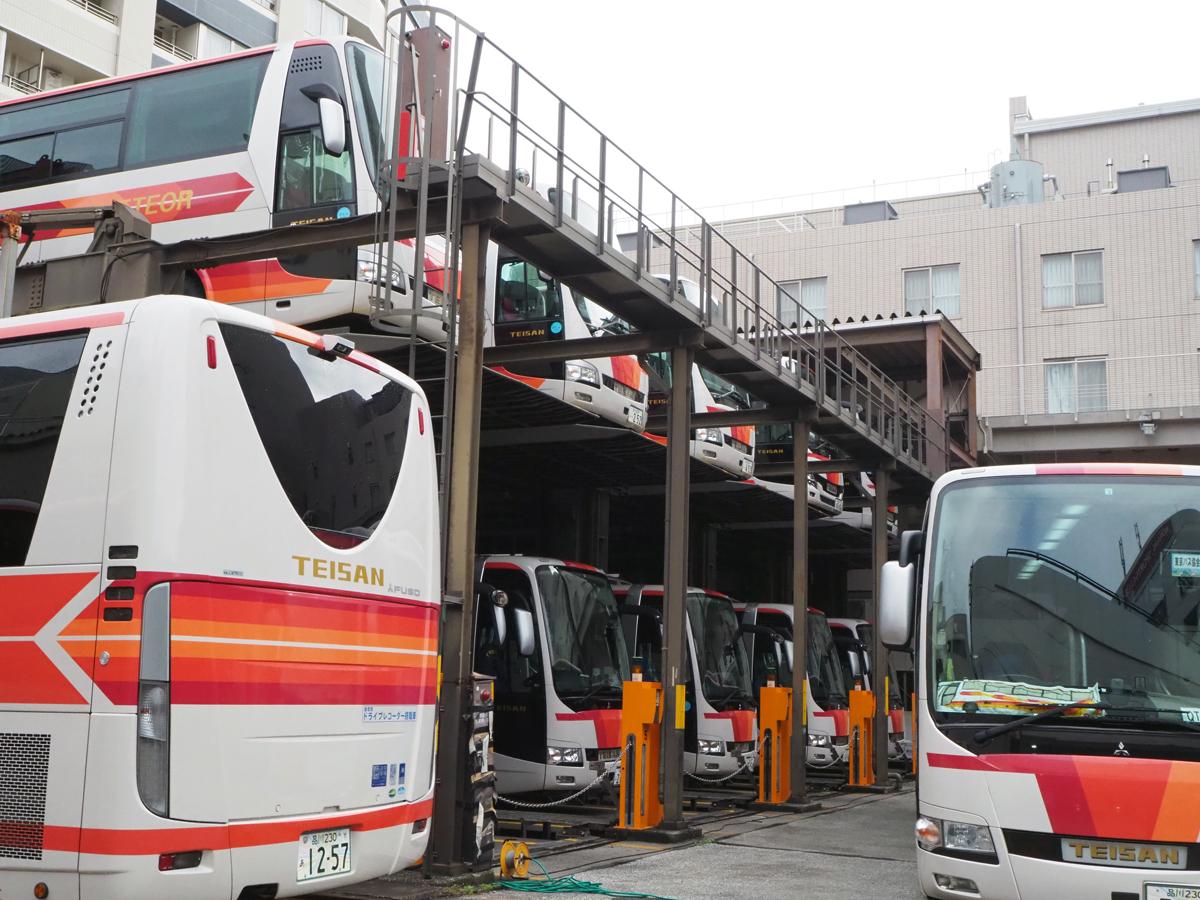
x,y
97,10
174,49
1127,385
19,84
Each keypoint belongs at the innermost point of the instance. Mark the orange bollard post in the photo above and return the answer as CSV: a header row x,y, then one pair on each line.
x,y
641,717
775,739
862,739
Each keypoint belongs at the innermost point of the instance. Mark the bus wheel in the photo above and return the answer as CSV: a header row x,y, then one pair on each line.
x,y
193,286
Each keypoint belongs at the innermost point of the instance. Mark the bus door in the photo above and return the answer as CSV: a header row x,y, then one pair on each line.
x,y
58,391
519,730
314,174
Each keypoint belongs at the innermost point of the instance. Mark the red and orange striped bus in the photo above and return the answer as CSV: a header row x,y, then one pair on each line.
x,y
220,576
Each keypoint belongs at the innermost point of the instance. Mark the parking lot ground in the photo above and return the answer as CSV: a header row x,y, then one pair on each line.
x,y
856,846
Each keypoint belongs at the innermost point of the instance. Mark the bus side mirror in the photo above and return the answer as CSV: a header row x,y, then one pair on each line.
x,y
495,600
333,125
911,545
523,621
896,596
790,651
855,665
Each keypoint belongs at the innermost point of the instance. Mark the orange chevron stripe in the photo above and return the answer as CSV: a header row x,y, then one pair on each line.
x,y
262,652
294,634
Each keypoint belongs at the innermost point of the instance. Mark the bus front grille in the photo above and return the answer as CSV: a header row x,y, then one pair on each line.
x,y
24,767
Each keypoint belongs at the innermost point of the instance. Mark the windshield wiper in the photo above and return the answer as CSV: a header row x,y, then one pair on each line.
x,y
986,734
593,691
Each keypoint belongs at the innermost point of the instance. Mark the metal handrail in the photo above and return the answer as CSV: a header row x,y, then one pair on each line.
x,y
97,10
174,49
20,84
731,284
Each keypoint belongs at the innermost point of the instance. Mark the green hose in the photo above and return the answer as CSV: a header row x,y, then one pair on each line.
x,y
569,885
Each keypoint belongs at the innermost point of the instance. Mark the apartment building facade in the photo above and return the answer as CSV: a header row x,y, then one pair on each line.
x,y
1078,280
48,44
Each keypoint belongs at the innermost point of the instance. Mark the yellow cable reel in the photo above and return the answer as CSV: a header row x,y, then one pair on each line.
x,y
514,859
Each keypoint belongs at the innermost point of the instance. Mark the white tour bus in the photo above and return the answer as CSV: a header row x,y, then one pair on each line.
x,y
555,647
269,137
721,722
528,305
1054,609
826,695
219,547
855,640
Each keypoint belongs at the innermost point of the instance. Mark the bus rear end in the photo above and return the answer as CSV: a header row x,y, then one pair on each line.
x,y
228,687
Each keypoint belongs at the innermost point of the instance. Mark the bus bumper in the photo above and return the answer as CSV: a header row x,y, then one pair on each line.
x,y
1024,878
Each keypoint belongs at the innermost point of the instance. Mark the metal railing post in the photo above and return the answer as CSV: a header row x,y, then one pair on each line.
x,y
558,167
603,190
513,125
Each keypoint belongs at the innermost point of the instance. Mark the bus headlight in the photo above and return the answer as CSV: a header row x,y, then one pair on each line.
x,y
961,836
818,740
368,271
583,372
709,435
564,756
968,837
711,748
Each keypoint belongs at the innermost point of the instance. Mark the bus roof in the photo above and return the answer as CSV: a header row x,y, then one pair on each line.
x,y
150,73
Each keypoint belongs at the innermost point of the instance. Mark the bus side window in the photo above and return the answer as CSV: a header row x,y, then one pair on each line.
x,y
308,176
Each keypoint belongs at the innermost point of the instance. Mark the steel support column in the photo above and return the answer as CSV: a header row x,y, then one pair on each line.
x,y
675,582
451,815
799,761
879,653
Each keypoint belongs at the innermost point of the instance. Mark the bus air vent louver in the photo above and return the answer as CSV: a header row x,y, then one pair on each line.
x,y
308,63
24,766
95,375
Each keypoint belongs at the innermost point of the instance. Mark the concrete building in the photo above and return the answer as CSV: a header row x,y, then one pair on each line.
x,y
1075,272
47,44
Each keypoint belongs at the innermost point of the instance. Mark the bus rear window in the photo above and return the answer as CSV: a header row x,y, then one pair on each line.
x,y
35,385
333,431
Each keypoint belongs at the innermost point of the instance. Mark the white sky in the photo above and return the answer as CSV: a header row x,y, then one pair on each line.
x,y
733,102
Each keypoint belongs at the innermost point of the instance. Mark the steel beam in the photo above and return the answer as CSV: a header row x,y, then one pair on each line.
x,y
10,249
879,653
675,583
768,416
590,348
451,816
815,467
800,466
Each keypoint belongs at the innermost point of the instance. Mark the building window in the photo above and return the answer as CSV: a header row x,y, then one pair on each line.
x,y
322,19
1076,385
1072,279
1196,267
931,289
810,292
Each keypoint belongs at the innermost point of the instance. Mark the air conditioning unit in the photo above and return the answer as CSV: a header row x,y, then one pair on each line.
x,y
52,79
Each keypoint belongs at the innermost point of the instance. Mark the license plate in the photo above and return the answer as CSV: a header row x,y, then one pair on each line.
x,y
635,416
1172,892
323,853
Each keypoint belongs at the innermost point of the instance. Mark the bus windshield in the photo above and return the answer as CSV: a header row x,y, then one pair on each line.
x,y
526,294
1072,589
825,680
766,659
587,647
725,392
720,652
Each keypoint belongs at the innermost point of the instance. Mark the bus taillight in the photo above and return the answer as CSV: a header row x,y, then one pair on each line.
x,y
154,701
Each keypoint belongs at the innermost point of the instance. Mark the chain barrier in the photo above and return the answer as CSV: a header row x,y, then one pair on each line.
x,y
748,762
608,773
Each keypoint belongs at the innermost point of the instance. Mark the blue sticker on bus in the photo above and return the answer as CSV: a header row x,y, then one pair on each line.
x,y
379,775
401,773
556,327
343,212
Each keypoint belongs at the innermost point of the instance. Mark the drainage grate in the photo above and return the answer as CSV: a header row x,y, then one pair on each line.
x,y
24,765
